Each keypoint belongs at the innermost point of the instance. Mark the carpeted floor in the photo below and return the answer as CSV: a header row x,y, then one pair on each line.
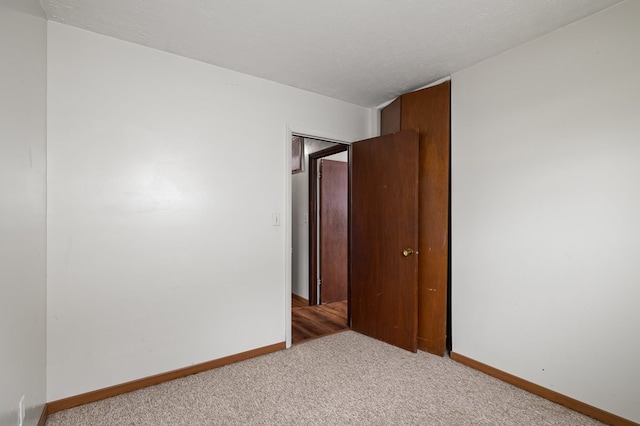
x,y
342,379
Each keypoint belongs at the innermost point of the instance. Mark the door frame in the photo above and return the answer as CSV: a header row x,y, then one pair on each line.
x,y
290,131
314,162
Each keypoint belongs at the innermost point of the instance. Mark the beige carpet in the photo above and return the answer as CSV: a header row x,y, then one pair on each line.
x,y
343,379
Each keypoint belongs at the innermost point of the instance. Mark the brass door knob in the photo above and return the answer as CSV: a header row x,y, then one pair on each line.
x,y
407,252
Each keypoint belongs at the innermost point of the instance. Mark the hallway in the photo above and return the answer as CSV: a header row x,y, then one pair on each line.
x,y
310,322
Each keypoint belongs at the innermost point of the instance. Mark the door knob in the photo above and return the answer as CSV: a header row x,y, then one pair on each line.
x,y
407,252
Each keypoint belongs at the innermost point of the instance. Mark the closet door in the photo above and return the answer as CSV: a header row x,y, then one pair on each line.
x,y
428,110
391,117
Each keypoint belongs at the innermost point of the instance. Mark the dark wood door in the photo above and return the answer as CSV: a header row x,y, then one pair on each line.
x,y
334,268
429,110
384,232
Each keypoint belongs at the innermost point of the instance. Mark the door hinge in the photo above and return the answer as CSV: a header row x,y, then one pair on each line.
x,y
319,282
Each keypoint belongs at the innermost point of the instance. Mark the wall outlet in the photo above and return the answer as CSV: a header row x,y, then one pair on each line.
x,y
275,219
21,411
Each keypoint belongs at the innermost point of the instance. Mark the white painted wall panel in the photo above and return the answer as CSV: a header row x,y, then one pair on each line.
x,y
545,208
164,173
23,42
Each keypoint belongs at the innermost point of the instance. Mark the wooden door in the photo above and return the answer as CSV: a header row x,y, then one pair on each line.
x,y
429,110
384,233
334,268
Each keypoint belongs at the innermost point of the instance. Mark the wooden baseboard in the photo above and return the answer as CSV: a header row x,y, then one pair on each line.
x,y
573,404
97,395
299,298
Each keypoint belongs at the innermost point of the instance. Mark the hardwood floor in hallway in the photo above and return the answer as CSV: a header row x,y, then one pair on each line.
x,y
310,322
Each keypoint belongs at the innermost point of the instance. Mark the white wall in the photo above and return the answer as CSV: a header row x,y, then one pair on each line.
x,y
164,173
546,211
300,223
23,41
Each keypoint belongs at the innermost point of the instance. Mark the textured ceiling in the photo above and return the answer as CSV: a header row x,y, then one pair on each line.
x,y
361,51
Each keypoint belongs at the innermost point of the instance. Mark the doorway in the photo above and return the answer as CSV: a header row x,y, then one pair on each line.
x,y
427,109
319,218
328,225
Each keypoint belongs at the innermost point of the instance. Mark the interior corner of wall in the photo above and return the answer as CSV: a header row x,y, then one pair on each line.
x,y
374,122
